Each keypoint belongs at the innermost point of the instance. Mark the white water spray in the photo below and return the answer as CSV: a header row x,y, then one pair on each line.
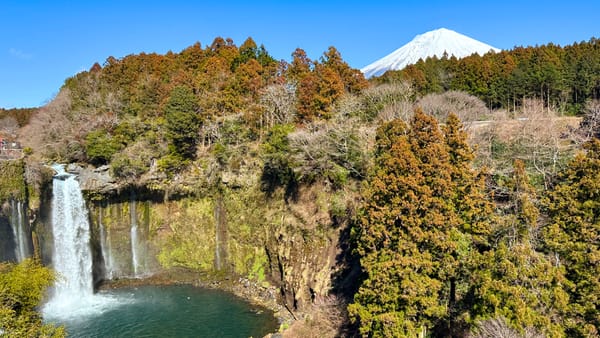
x,y
134,239
105,247
20,232
72,257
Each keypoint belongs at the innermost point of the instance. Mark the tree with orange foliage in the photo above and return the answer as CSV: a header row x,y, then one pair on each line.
x,y
423,221
353,79
317,92
300,67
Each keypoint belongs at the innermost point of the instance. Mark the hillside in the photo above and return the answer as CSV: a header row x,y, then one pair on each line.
x,y
385,208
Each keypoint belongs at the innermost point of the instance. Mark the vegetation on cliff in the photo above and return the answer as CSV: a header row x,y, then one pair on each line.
x,y
401,197
12,180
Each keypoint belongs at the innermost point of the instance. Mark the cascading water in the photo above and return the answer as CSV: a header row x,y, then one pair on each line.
x,y
132,312
105,247
72,258
20,231
134,239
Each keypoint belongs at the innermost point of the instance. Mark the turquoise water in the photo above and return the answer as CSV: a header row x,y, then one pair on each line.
x,y
170,311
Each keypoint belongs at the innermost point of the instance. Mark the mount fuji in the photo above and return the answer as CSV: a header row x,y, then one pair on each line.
x,y
433,43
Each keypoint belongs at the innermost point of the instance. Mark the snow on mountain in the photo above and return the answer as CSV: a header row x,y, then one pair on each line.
x,y
427,45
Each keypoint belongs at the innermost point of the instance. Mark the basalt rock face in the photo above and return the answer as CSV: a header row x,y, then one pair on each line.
x,y
230,233
8,241
15,231
98,180
231,230
123,245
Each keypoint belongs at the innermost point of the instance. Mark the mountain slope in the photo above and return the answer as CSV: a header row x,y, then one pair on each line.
x,y
433,43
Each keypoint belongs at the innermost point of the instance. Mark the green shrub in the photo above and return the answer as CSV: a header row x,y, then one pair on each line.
x,y
337,176
100,146
221,153
135,160
22,288
12,181
171,163
278,168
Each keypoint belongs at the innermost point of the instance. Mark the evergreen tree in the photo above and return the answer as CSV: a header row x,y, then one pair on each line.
x,y
415,230
354,81
470,196
514,280
317,92
300,67
565,77
182,123
572,237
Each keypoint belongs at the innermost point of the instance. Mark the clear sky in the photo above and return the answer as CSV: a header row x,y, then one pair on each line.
x,y
44,42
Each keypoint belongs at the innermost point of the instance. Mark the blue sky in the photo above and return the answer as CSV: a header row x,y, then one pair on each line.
x,y
44,42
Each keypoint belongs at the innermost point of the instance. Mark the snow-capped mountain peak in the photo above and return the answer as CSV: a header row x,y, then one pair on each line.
x,y
433,43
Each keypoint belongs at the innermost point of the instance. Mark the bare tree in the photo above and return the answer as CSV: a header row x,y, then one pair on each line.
x,y
542,134
326,318
498,328
278,102
467,107
388,101
58,130
590,125
538,136
47,132
320,148
398,110
9,126
347,106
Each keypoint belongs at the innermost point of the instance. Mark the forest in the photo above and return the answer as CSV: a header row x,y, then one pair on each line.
x,y
565,77
471,187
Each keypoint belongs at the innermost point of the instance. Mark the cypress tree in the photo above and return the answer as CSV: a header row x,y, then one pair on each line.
x,y
182,122
414,232
573,238
513,279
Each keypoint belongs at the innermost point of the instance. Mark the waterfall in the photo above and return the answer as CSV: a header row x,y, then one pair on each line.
x,y
105,247
20,231
135,245
72,258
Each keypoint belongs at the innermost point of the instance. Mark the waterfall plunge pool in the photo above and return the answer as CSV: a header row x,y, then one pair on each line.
x,y
164,311
144,311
